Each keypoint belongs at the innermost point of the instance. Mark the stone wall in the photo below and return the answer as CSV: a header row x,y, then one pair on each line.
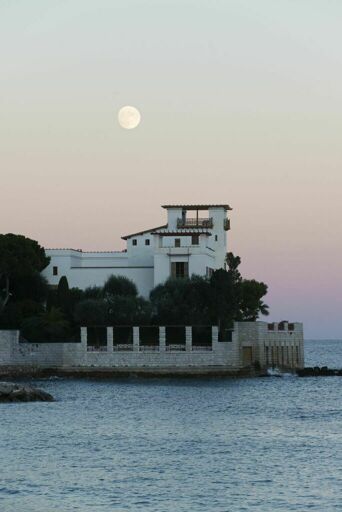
x,y
253,344
278,345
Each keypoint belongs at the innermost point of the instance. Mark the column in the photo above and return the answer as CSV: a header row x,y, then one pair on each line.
x,y
84,337
110,337
214,334
188,339
136,340
162,339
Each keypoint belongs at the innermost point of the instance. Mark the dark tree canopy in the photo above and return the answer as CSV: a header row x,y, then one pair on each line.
x,y
93,292
251,303
21,256
21,261
48,326
53,313
120,285
220,300
249,292
127,310
181,301
91,312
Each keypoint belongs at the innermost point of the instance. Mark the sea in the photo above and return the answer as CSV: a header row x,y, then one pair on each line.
x,y
162,445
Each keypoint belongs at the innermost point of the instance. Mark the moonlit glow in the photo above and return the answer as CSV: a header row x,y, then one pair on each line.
x,y
129,117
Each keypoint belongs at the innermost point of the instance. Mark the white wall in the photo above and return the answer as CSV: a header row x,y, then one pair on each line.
x,y
93,269
146,265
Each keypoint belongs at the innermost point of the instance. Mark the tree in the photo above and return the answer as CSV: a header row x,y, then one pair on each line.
x,y
15,313
128,310
168,304
248,294
64,297
120,285
251,304
32,286
93,292
181,301
224,297
90,312
49,326
20,257
220,300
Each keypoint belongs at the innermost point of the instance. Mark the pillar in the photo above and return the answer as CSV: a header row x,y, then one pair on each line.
x,y
84,337
162,339
214,336
110,337
188,339
136,340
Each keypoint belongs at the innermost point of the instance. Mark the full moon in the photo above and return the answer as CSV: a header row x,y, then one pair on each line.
x,y
129,117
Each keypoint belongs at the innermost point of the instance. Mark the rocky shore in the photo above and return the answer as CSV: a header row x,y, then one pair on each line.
x,y
11,392
317,371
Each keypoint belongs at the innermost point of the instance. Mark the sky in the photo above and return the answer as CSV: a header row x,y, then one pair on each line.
x,y
240,103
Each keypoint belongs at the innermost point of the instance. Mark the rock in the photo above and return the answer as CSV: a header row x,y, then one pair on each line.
x,y
316,371
11,392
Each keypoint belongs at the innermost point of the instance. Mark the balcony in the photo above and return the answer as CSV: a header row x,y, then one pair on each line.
x,y
195,223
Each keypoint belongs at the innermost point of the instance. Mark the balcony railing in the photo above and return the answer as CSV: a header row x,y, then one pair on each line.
x,y
97,348
195,223
149,348
175,347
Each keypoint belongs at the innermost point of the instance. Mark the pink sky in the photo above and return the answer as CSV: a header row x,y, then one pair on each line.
x,y
240,104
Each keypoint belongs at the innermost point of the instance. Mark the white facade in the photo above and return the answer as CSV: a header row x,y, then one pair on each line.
x,y
194,241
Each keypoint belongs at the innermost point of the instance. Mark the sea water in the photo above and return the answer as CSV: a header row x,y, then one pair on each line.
x,y
268,444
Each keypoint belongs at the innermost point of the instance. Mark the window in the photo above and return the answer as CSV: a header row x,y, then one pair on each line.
x,y
147,241
55,271
134,241
208,271
215,238
177,242
225,335
195,240
179,269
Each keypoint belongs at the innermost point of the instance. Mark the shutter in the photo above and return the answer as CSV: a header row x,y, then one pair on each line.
x,y
173,269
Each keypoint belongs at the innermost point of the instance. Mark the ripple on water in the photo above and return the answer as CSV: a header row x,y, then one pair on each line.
x,y
255,445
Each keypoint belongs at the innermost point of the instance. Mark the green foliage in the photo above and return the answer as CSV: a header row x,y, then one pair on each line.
x,y
251,304
21,256
225,297
63,288
120,285
128,310
21,261
117,303
48,326
91,312
225,293
93,292
32,286
15,313
181,301
53,314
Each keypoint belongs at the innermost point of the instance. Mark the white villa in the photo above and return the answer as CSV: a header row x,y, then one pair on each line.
x,y
194,241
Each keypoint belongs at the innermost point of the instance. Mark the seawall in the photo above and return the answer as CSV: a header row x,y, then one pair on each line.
x,y
247,349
